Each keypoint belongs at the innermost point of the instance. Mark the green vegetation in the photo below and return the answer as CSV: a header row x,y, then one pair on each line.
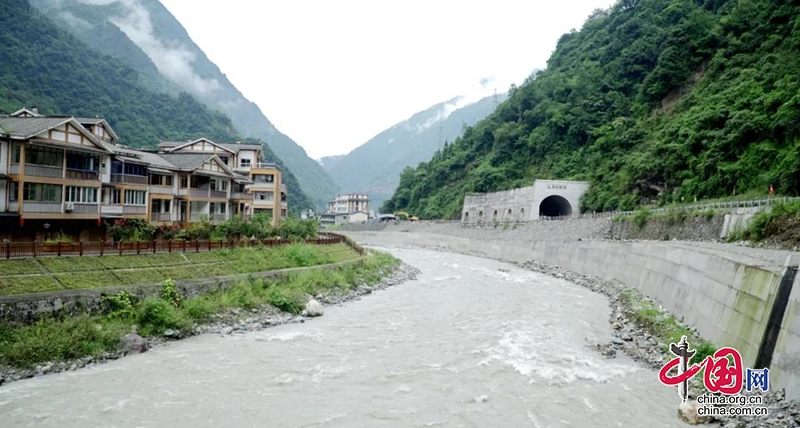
x,y
47,67
652,102
781,222
62,339
58,273
666,328
673,215
235,228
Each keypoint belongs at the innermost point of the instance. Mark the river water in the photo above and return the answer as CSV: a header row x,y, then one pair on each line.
x,y
470,343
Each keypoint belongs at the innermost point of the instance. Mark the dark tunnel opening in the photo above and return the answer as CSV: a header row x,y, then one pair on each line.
x,y
554,206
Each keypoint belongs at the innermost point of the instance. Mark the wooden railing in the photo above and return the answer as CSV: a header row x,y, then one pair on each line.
x,y
41,249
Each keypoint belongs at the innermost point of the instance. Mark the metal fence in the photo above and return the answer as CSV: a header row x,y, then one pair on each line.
x,y
42,249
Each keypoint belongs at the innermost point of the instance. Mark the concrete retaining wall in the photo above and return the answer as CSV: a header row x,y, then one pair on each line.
x,y
728,299
510,205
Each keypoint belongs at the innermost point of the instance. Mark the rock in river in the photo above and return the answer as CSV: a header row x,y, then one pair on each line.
x,y
132,343
313,309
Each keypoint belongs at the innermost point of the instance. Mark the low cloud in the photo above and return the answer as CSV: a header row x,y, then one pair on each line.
x,y
172,61
484,88
75,22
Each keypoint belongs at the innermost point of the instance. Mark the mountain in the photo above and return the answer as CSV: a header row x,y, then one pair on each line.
x,y
46,67
375,166
651,101
145,35
328,162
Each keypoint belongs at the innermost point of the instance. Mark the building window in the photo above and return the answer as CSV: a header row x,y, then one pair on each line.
x,y
44,156
36,192
160,180
134,197
264,178
222,208
86,195
15,152
244,163
12,191
223,186
128,169
184,181
264,196
82,162
224,160
113,197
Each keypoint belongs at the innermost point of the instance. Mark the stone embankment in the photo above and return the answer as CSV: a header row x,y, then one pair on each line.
x,y
230,322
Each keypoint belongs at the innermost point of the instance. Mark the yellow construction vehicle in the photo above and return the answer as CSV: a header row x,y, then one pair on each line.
x,y
402,215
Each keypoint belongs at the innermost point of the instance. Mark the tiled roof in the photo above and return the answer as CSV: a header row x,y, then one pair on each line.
x,y
91,120
26,127
230,146
186,160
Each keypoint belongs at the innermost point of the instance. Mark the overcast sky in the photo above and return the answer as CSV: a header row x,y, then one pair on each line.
x,y
333,74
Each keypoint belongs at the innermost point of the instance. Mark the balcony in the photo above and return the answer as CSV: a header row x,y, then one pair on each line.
x,y
219,194
39,170
161,190
265,165
264,202
201,193
42,207
161,217
75,174
284,204
259,185
83,208
119,210
111,209
134,209
242,195
128,179
218,218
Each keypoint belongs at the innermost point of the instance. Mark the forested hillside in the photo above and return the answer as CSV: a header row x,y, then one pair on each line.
x,y
45,67
651,101
143,34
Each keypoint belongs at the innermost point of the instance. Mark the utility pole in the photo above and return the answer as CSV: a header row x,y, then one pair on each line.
x,y
441,134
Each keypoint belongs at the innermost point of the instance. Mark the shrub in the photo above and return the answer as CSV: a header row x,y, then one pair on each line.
x,y
158,315
640,218
169,292
121,305
286,299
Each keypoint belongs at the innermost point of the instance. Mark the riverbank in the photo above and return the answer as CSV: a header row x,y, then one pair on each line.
x,y
52,346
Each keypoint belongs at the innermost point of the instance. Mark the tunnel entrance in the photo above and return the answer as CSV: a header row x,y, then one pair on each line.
x,y
555,206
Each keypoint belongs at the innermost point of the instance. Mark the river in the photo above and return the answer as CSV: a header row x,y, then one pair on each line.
x,y
471,343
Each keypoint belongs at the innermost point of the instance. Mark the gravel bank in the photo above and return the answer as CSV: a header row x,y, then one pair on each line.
x,y
226,323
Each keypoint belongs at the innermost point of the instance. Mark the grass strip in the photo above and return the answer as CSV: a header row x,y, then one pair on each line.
x,y
113,270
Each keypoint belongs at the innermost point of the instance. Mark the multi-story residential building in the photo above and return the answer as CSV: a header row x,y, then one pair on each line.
x,y
67,175
266,193
349,203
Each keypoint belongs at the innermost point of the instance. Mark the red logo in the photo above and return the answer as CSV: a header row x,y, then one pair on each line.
x,y
719,374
